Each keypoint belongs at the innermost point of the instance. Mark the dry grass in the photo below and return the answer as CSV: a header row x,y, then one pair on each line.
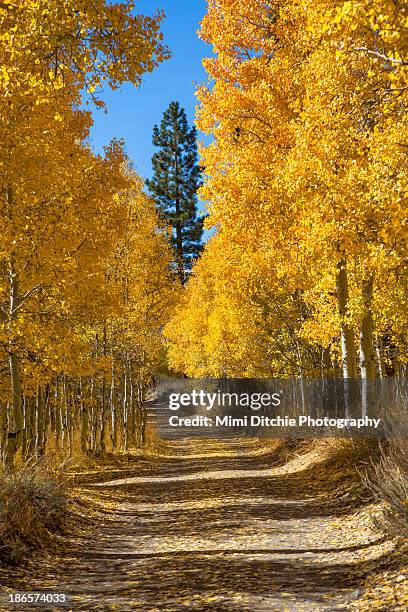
x,y
355,452
388,480
33,505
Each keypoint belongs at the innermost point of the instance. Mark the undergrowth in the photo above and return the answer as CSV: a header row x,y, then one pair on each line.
x,y
388,480
33,506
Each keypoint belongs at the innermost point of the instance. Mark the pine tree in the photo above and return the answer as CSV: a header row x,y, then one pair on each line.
x,y
176,179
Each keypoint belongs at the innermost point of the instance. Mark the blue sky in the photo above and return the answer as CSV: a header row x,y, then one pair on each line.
x,y
133,112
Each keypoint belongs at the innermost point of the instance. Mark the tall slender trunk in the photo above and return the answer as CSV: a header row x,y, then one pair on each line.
x,y
102,424
64,412
15,434
70,419
39,440
131,420
325,373
84,418
348,349
125,410
16,422
31,426
57,424
94,406
4,411
367,355
379,353
113,408
143,413
300,377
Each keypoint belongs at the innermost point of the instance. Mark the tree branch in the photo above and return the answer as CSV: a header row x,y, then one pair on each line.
x,y
379,55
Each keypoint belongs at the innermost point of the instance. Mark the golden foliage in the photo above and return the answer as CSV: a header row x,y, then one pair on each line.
x,y
75,226
307,169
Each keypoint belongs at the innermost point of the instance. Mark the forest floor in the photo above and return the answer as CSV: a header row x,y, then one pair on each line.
x,y
220,526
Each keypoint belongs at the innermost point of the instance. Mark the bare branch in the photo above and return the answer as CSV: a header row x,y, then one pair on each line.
x,y
25,297
382,56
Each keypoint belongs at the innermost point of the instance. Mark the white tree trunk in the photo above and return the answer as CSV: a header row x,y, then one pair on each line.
x,y
367,355
348,349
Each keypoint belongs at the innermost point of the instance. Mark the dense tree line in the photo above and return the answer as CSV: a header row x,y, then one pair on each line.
x,y
306,183
84,262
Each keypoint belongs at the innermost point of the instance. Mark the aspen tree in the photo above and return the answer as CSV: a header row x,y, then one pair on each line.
x,y
61,211
305,178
